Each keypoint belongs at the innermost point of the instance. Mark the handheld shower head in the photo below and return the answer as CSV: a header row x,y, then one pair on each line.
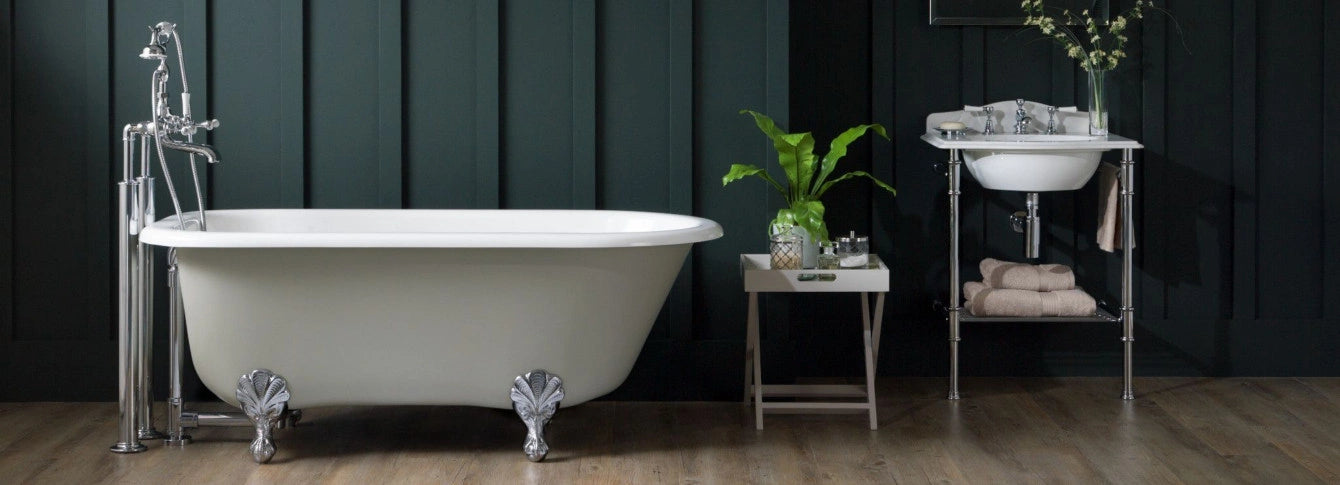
x,y
154,52
158,35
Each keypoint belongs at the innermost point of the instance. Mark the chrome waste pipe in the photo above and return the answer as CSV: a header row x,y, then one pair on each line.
x,y
176,348
192,419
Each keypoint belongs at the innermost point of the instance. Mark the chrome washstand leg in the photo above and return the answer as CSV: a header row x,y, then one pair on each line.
x,y
176,343
535,398
1127,270
263,396
955,305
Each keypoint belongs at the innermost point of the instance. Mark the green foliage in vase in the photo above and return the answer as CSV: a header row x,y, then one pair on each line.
x,y
807,174
1096,49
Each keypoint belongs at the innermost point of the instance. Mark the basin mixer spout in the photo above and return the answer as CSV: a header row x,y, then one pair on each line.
x,y
1021,118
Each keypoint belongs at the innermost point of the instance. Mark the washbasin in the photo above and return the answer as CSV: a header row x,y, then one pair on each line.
x,y
1031,170
1025,162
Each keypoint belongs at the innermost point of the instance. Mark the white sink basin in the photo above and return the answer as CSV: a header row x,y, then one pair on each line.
x,y
1033,170
1025,162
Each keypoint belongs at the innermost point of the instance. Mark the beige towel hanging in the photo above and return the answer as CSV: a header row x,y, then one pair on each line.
x,y
1109,207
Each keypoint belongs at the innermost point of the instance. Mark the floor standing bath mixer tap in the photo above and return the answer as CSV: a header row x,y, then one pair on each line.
x,y
135,260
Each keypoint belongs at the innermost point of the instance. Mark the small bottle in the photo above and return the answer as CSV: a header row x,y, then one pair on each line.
x,y
828,258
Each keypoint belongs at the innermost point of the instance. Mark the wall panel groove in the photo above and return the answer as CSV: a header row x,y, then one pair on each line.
x,y
97,115
391,163
584,87
292,104
1244,159
1152,255
679,151
1330,108
7,157
487,104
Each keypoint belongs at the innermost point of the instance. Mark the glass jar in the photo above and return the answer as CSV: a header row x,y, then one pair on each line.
x,y
853,251
786,248
828,258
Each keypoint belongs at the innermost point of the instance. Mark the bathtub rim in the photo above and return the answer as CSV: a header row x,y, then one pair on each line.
x,y
162,233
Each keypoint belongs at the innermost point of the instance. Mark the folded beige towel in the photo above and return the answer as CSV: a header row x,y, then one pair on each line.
x,y
985,301
1031,277
1109,208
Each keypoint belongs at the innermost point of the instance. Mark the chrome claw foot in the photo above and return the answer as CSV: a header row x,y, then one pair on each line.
x,y
535,397
263,396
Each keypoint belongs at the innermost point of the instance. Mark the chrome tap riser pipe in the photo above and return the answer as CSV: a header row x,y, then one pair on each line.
x,y
954,306
1127,270
128,134
146,345
137,294
176,348
127,441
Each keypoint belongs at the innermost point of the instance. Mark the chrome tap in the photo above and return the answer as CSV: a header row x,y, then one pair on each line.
x,y
1021,118
165,125
990,128
1051,120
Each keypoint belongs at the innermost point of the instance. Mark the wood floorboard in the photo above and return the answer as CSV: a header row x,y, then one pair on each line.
x,y
1004,430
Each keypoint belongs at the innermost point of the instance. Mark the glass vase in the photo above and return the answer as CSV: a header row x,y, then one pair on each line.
x,y
1097,103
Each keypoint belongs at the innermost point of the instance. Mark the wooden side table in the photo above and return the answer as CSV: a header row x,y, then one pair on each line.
x,y
760,278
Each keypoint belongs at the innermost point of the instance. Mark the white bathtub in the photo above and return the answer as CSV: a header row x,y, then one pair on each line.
x,y
444,307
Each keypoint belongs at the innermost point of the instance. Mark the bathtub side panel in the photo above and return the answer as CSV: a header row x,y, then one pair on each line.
x,y
422,326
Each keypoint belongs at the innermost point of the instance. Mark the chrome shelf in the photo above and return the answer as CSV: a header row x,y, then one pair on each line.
x,y
1099,316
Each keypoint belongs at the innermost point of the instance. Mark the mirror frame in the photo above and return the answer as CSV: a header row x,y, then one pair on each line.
x,y
989,21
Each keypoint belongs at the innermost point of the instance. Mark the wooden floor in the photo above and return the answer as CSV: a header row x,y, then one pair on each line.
x,y
1269,430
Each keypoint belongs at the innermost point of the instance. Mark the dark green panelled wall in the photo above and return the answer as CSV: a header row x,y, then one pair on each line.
x,y
633,105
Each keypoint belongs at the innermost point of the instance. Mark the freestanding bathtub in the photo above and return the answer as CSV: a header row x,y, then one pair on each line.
x,y
443,307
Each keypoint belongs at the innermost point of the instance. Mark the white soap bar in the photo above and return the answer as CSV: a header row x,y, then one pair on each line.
x,y
952,126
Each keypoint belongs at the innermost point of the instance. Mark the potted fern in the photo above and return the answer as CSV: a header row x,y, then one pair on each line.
x,y
807,177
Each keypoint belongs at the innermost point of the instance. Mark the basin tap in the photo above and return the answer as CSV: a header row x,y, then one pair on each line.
x,y
1021,118
990,128
1051,120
